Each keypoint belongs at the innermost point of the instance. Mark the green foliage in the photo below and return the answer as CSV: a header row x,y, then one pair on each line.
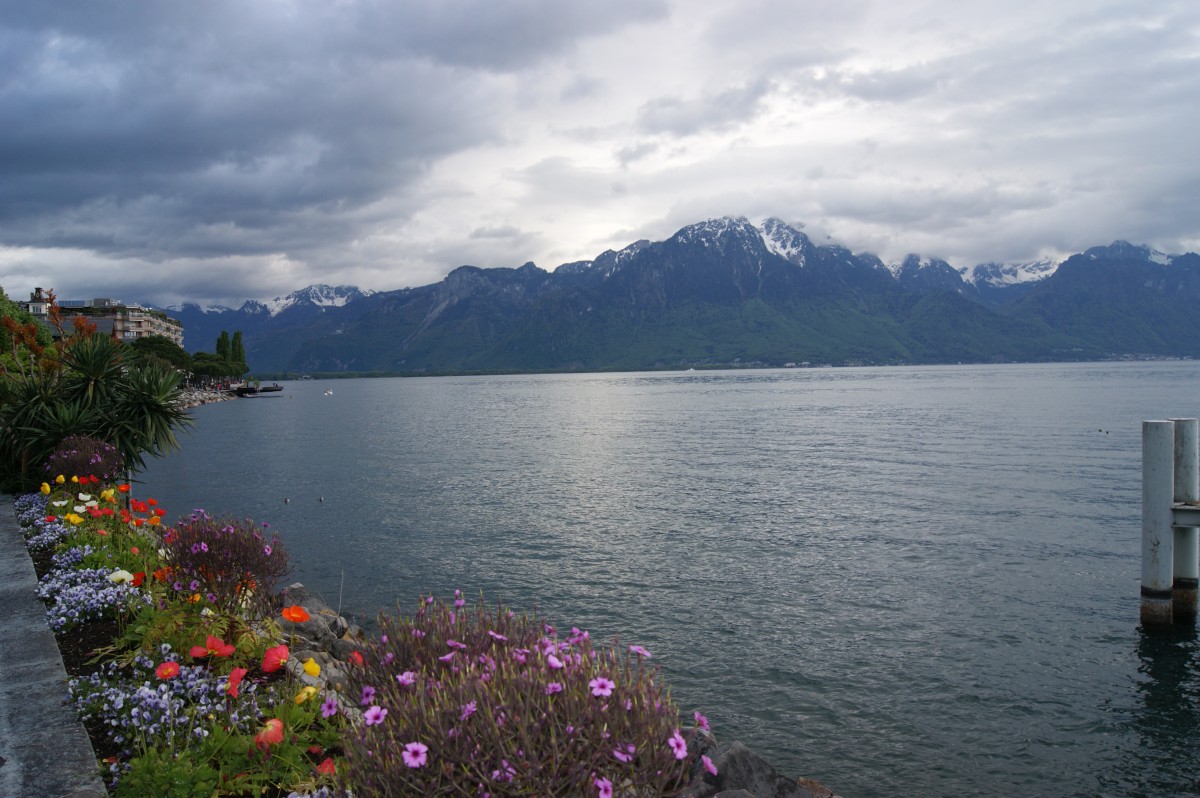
x,y
83,456
160,774
237,353
162,348
224,350
83,385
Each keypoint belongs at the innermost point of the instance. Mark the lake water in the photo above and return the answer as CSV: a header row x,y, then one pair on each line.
x,y
900,581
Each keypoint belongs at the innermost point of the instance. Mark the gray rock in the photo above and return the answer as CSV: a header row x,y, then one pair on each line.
x,y
741,773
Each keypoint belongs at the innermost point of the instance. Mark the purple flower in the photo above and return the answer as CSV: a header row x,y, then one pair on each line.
x,y
266,549
625,753
708,764
329,708
415,755
677,745
553,687
554,662
602,686
374,715
455,644
701,721
641,652
418,633
447,657
408,678
603,788
519,654
468,709
368,695
497,636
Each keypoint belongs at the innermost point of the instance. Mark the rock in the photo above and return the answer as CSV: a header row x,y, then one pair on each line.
x,y
742,773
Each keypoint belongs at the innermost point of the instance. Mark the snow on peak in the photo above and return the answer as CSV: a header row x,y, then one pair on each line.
x,y
915,263
323,296
1001,274
785,240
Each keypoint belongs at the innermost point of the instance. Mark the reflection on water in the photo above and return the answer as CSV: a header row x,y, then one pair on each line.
x,y
912,581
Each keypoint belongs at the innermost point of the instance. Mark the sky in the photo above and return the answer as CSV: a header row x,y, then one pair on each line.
x,y
214,152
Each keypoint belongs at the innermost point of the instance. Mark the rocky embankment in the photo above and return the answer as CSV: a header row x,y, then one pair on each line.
x,y
329,639
194,397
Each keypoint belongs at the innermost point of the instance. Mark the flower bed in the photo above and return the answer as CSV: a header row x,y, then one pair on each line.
x,y
195,694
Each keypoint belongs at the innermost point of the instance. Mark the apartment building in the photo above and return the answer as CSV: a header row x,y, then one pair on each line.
x,y
112,317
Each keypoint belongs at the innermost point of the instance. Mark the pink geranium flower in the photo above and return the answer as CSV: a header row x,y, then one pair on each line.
x,y
641,652
415,755
553,687
603,788
678,745
708,764
408,678
602,686
554,662
374,715
701,721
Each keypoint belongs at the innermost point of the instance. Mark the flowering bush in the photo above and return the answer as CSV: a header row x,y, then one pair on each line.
x,y
231,563
84,456
78,595
491,700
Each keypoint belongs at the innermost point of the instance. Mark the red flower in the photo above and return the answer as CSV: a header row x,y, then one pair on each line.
x,y
167,670
50,519
123,488
160,512
161,574
356,657
315,749
138,578
274,658
133,549
138,506
215,646
235,678
295,614
271,734
327,768
151,502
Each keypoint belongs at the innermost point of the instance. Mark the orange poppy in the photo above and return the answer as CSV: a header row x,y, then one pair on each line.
x,y
295,614
327,768
273,658
271,734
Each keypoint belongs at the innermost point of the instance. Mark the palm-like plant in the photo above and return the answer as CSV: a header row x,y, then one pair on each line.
x,y
84,386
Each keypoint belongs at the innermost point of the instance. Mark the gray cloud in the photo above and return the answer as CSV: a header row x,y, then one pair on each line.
x,y
218,151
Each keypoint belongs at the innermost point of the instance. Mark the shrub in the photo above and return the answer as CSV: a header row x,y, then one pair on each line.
x,y
231,563
489,701
80,456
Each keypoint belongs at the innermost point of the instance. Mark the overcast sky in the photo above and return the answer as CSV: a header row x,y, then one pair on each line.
x,y
219,151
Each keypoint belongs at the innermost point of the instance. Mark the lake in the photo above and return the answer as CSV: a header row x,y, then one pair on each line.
x,y
911,580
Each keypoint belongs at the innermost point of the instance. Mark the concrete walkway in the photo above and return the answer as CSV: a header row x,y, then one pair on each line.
x,y
44,751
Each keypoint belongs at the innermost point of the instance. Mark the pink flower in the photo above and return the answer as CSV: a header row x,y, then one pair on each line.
x,y
678,745
374,715
447,657
708,764
497,636
415,755
701,721
408,678
329,708
553,687
602,686
368,695
455,644
625,753
418,633
603,788
641,652
519,654
468,709
554,662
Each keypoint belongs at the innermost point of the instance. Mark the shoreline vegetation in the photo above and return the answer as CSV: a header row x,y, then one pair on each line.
x,y
195,678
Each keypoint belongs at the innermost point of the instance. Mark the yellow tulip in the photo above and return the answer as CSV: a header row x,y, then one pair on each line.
x,y
311,667
60,479
46,488
109,495
74,479
305,693
73,518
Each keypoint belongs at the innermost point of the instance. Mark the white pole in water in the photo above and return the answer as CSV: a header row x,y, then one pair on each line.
x,y
1158,484
1187,541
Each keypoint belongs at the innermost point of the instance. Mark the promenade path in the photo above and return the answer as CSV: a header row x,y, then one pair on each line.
x,y
44,750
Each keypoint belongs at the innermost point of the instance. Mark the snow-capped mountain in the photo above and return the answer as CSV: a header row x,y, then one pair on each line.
x,y
322,296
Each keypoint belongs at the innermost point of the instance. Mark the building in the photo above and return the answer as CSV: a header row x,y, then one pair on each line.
x,y
111,317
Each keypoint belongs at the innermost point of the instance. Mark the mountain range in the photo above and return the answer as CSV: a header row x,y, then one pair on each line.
x,y
728,292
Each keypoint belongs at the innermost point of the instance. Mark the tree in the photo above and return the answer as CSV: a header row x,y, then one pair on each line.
x,y
223,347
238,351
161,347
84,385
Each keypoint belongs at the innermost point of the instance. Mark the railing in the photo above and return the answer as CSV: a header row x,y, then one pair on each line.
x,y
1170,517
